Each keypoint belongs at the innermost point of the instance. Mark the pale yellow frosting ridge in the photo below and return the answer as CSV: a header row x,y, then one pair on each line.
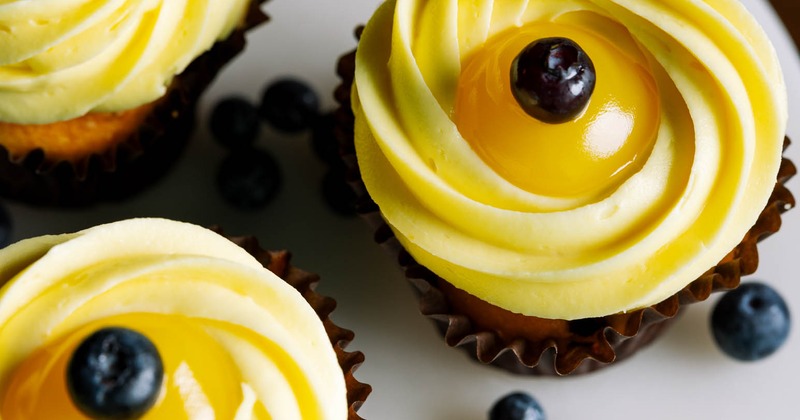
x,y
278,345
709,174
60,59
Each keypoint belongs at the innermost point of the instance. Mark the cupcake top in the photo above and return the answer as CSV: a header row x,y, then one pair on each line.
x,y
60,59
615,208
235,340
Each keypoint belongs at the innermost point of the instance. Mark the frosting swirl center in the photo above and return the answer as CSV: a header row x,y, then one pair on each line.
x,y
588,155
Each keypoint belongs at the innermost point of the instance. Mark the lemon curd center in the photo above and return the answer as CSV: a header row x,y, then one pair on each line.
x,y
201,379
588,155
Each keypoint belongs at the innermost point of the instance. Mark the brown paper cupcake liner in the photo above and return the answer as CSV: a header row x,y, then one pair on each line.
x,y
138,161
279,263
530,345
789,12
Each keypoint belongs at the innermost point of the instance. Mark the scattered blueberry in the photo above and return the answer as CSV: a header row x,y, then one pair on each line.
x,y
337,194
517,406
235,123
750,322
249,179
323,140
5,226
115,373
553,79
289,105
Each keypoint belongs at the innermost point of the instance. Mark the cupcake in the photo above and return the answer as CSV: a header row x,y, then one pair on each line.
x,y
97,99
162,319
559,178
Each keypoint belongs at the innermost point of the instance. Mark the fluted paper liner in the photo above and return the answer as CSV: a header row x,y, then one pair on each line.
x,y
279,263
137,161
789,12
532,345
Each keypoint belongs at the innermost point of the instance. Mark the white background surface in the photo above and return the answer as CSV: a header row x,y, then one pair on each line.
x,y
413,374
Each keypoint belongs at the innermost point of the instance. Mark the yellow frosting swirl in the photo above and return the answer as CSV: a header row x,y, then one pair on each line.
x,y
629,241
61,59
236,340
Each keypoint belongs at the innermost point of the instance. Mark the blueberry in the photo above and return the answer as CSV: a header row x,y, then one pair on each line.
x,y
115,373
337,194
323,140
5,226
234,123
553,79
517,406
750,322
289,105
248,179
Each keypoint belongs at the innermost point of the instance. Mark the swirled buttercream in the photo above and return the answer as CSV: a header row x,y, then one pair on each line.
x,y
237,341
634,237
60,59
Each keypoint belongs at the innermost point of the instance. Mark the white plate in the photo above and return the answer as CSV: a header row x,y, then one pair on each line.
x,y
413,373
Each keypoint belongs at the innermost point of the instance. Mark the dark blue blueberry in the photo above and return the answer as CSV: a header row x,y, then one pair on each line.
x,y
553,79
5,226
249,179
289,105
323,140
235,123
115,373
517,406
750,322
339,196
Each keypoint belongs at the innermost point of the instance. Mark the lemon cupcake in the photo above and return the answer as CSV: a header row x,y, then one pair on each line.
x,y
560,177
97,98
162,319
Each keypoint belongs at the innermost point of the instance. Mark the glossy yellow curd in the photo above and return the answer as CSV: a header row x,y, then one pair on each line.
x,y
61,59
236,341
652,184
